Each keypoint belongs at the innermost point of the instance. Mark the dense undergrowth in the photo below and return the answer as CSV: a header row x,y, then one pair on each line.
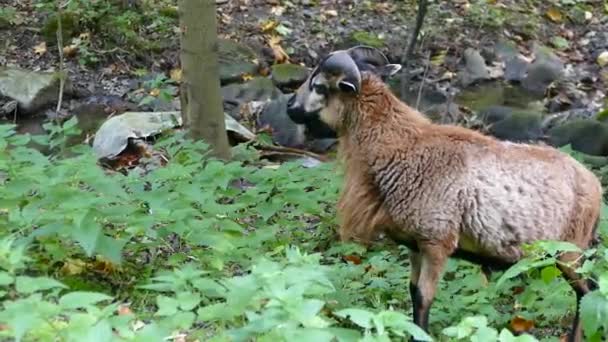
x,y
201,249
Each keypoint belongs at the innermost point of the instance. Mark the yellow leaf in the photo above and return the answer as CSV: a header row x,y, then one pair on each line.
x,y
40,49
269,25
155,92
73,267
70,50
555,15
176,75
246,77
280,56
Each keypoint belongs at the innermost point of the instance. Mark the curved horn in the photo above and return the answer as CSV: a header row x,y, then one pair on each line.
x,y
368,55
341,64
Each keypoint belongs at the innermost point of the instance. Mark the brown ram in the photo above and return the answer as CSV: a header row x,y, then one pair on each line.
x,y
442,190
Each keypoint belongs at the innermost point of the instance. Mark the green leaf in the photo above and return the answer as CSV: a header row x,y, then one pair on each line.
x,y
167,306
560,43
603,283
6,279
549,273
554,247
25,284
188,300
522,266
594,312
87,232
110,248
360,317
81,299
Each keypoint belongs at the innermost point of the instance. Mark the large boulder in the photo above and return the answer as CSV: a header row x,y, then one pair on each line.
x,y
113,135
545,69
32,90
285,132
512,124
235,61
288,75
475,69
584,135
257,89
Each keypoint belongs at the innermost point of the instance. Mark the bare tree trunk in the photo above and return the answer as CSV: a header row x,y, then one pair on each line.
x,y
202,112
407,56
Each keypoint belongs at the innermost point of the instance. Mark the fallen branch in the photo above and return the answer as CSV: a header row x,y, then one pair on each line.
x,y
292,151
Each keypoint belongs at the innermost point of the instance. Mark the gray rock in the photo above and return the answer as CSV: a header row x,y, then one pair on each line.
x,y
32,90
475,68
113,135
505,50
520,126
587,136
516,69
257,89
512,124
288,75
285,132
235,60
545,69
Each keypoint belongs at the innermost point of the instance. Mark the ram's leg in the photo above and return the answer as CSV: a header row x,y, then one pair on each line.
x,y
415,263
432,261
569,262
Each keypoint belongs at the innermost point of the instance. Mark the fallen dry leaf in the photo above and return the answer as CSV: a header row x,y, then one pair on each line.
x,y
246,77
70,50
555,15
73,267
40,49
124,309
352,258
269,25
280,56
331,13
155,92
176,75
520,325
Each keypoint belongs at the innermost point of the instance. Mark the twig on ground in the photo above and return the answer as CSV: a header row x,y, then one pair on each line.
x,y
293,151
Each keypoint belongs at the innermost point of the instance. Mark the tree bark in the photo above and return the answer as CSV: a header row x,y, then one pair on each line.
x,y
202,112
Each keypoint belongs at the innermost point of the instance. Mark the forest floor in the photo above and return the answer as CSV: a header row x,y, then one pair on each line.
x,y
232,216
108,50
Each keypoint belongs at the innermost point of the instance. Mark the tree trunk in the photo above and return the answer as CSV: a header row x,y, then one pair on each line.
x,y
202,112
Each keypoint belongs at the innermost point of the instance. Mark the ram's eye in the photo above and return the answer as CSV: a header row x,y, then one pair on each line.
x,y
321,89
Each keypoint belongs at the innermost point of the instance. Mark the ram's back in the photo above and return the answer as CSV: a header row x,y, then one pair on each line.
x,y
485,196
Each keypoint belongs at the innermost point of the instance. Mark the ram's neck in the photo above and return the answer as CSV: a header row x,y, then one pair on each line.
x,y
380,120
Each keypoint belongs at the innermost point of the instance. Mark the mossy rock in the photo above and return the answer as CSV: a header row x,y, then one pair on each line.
x,y
235,61
69,27
169,12
4,23
288,75
584,135
520,126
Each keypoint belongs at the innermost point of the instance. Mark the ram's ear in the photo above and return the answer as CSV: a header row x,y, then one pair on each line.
x,y
348,87
350,83
388,70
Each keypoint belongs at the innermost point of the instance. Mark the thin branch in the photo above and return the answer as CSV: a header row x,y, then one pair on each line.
x,y
407,56
61,61
426,69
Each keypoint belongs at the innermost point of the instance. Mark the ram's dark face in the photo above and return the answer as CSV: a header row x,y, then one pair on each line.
x,y
338,76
